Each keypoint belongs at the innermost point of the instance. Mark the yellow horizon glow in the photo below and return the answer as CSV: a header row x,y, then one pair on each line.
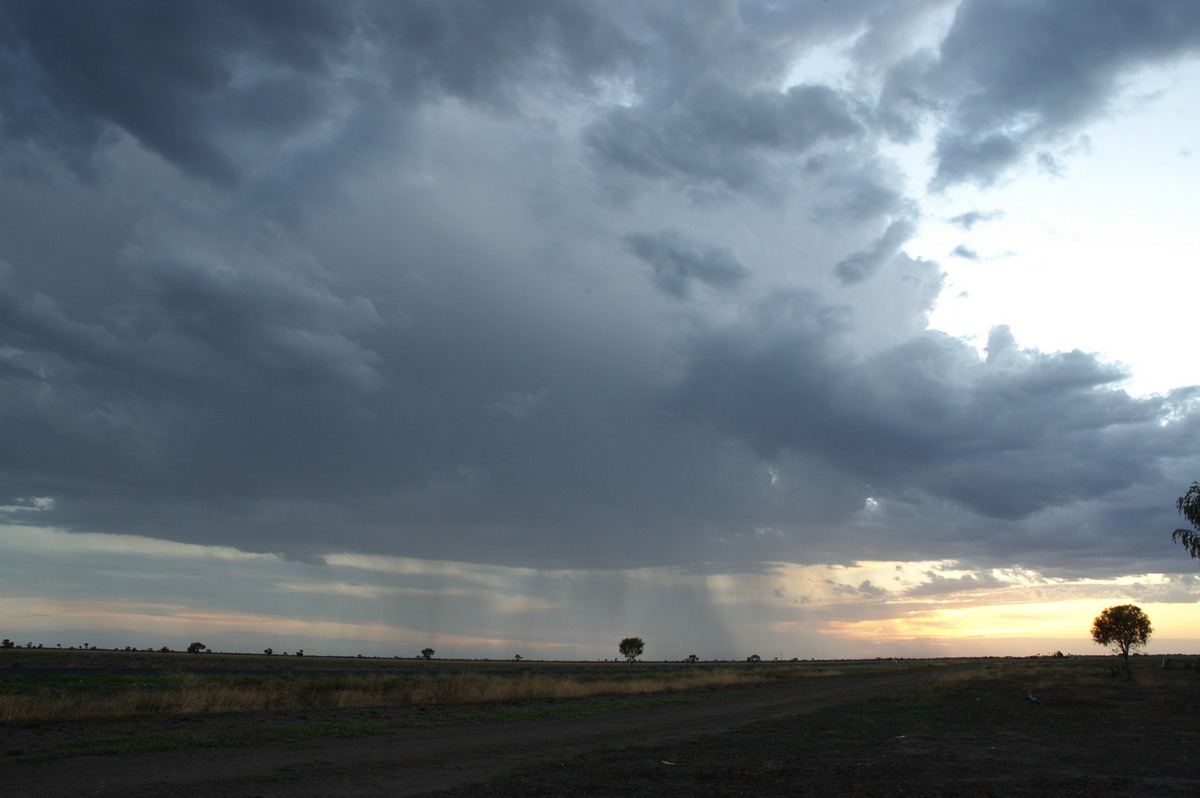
x,y
1066,619
887,607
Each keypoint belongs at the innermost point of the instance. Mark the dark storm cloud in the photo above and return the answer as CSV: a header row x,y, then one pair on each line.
x,y
677,262
718,134
36,320
241,308
863,264
904,101
229,374
10,371
351,276
216,87
1006,437
1012,76
168,74
855,188
203,310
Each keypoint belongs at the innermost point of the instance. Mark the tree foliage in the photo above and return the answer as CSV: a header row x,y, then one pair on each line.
x,y
631,648
1189,507
196,648
1123,628
427,653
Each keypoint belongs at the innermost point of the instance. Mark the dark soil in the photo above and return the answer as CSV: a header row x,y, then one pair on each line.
x,y
1010,728
1026,730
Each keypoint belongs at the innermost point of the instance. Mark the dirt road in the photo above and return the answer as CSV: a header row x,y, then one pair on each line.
x,y
417,761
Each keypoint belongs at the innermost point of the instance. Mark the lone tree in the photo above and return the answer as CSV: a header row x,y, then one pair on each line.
x,y
427,653
1124,627
631,648
196,648
1189,507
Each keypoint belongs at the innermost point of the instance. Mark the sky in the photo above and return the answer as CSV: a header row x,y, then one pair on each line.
x,y
800,329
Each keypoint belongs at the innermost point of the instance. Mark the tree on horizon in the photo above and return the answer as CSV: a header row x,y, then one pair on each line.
x,y
1123,627
631,648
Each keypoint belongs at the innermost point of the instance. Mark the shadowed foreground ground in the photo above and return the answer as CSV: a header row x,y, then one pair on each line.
x,y
930,731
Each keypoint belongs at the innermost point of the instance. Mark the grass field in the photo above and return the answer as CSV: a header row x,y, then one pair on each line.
x,y
1005,727
997,727
41,684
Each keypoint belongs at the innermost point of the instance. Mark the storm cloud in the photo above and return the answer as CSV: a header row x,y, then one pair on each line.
x,y
677,263
550,284
1012,77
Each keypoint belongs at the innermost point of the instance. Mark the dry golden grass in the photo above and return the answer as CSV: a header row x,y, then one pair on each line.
x,y
1066,681
195,694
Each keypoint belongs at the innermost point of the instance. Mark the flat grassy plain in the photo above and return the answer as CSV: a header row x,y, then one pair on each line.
x,y
960,727
44,685
1001,727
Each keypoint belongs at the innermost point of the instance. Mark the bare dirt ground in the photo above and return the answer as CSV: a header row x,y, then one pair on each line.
x,y
868,735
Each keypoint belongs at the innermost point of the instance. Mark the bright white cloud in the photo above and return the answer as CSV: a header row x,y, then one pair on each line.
x,y
1095,256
